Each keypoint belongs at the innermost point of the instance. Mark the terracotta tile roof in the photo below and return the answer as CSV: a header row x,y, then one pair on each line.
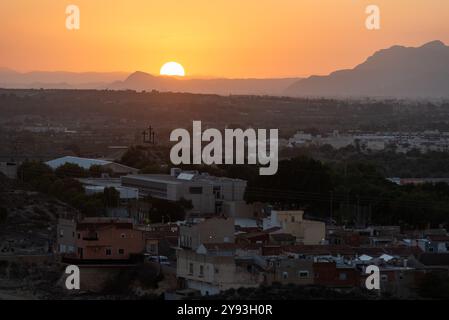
x,y
370,251
249,229
282,237
403,251
319,249
434,259
270,250
438,238
251,235
103,225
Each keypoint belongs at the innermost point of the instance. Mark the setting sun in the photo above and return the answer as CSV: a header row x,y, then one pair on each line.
x,y
172,69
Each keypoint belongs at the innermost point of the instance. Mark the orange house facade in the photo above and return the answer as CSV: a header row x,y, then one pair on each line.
x,y
106,239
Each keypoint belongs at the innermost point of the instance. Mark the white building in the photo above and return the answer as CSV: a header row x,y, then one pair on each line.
x,y
9,169
213,268
207,193
308,232
85,163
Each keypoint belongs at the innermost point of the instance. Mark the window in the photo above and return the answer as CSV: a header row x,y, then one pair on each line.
x,y
73,234
108,252
196,190
303,274
217,270
190,268
201,271
343,276
79,235
284,275
217,192
121,251
61,233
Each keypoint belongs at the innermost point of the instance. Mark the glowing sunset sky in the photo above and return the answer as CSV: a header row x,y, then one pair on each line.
x,y
220,38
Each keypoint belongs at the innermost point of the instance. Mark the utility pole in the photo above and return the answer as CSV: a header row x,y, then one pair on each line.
x,y
331,205
151,136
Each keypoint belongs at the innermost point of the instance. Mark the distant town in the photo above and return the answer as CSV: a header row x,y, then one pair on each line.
x,y
103,195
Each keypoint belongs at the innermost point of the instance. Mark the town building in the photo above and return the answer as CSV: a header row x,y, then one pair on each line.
x,y
208,194
198,231
288,271
213,268
293,222
100,239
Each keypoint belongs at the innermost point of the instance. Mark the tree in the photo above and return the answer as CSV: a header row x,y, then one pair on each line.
x,y
135,157
71,170
32,170
97,171
111,197
164,210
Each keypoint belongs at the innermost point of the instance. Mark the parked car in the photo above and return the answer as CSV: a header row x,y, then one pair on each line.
x,y
163,260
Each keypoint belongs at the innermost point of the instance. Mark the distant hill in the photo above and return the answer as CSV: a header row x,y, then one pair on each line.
x,y
144,81
140,81
57,79
401,72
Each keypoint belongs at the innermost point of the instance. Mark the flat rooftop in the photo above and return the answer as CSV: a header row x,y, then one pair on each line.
x,y
167,178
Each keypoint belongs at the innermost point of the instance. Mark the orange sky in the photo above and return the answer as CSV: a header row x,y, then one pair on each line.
x,y
220,38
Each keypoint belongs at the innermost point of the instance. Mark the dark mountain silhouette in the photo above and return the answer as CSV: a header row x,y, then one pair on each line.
x,y
401,72
57,79
144,81
140,81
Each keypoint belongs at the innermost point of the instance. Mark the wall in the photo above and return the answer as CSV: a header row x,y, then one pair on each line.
x,y
212,230
66,236
111,238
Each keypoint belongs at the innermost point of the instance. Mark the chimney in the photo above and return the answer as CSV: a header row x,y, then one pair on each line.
x,y
174,172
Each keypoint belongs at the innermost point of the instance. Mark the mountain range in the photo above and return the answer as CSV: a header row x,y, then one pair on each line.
x,y
144,81
57,79
396,72
399,72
